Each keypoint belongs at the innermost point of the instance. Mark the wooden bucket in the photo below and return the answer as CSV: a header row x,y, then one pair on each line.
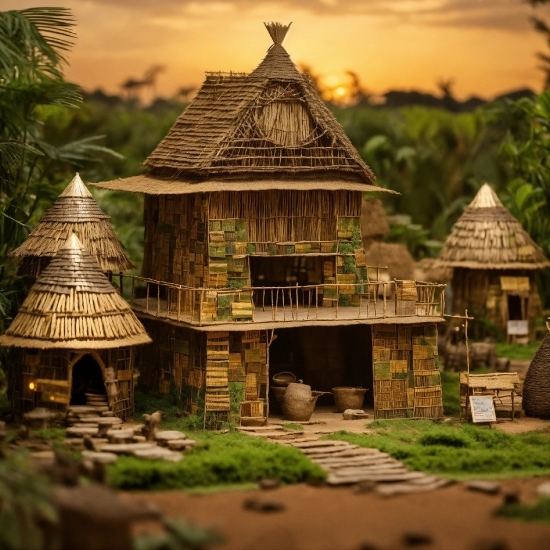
x,y
348,398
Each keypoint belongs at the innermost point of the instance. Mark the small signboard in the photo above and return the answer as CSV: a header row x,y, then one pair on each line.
x,y
518,328
482,409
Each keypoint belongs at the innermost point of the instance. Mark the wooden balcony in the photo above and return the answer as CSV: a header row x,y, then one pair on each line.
x,y
270,307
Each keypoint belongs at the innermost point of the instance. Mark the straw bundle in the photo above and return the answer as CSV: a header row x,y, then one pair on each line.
x,y
73,305
74,211
487,236
536,388
269,123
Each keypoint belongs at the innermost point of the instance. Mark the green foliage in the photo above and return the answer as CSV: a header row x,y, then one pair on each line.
x,y
25,505
450,385
522,352
178,536
539,512
457,450
218,459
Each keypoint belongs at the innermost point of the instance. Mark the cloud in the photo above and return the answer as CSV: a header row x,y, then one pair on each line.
x,y
510,15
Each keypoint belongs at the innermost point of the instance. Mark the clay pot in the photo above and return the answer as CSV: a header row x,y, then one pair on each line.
x,y
348,398
279,392
283,379
298,402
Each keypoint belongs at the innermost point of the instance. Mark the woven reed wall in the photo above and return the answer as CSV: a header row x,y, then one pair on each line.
x,y
175,248
287,216
407,383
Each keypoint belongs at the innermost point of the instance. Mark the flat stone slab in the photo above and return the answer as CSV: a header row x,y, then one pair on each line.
x,y
391,489
103,408
138,428
108,413
489,487
169,435
81,432
356,477
100,457
85,425
321,443
89,418
181,444
139,439
159,453
543,490
81,409
125,448
119,433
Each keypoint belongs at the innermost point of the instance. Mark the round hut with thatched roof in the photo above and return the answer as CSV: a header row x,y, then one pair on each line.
x,y
494,262
536,388
74,211
76,335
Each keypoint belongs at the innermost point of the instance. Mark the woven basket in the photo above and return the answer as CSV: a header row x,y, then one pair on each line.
x,y
348,398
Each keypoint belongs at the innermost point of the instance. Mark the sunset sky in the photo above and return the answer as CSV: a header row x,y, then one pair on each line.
x,y
486,46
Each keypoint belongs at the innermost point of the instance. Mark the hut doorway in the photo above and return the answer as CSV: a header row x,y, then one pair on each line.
x,y
87,377
285,272
325,357
516,309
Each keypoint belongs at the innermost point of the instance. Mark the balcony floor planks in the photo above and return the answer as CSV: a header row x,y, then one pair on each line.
x,y
326,316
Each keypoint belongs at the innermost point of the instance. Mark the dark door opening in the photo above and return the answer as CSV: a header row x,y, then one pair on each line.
x,y
87,378
515,310
285,272
325,357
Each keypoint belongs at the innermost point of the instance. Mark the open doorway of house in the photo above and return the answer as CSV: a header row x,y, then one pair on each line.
x,y
285,272
515,308
87,378
325,357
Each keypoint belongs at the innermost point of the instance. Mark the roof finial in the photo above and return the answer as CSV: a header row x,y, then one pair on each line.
x,y
277,31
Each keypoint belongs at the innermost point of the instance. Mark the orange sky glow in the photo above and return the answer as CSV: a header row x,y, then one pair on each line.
x,y
486,46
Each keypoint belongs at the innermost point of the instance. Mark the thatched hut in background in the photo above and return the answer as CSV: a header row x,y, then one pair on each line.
x,y
72,327
74,211
395,256
374,223
536,388
494,262
427,269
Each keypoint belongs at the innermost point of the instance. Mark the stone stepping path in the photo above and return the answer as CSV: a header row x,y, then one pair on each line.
x,y
349,464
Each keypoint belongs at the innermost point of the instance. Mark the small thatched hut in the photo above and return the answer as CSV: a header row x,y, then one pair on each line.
x,y
74,211
374,223
536,388
72,328
494,263
394,256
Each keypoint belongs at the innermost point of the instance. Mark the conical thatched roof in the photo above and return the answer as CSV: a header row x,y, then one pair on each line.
x,y
242,132
74,211
536,388
374,222
487,236
73,305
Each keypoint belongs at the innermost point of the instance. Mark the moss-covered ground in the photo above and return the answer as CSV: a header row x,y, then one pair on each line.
x,y
457,450
218,459
539,512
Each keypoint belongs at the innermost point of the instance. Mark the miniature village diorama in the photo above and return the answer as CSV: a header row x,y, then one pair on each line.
x,y
268,294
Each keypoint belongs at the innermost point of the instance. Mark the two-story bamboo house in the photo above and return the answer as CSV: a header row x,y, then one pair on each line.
x,y
253,259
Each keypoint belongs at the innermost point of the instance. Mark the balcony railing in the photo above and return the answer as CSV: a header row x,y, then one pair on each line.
x,y
270,304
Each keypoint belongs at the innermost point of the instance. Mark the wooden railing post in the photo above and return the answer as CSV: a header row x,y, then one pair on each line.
x,y
179,302
158,298
147,297
384,291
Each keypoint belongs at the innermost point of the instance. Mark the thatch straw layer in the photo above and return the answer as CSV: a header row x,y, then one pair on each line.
x,y
536,388
74,306
487,236
74,211
394,256
268,124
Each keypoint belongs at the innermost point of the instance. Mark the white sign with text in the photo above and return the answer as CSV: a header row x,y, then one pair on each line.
x,y
482,408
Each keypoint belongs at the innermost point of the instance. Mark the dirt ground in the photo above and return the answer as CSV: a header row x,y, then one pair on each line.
x,y
320,518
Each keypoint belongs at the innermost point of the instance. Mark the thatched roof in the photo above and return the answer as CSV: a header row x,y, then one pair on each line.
x,y
487,236
428,270
74,211
395,256
73,305
267,125
374,223
536,388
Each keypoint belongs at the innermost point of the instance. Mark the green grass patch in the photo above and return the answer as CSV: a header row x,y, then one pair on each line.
x,y
523,352
457,450
539,512
218,459
293,426
55,435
